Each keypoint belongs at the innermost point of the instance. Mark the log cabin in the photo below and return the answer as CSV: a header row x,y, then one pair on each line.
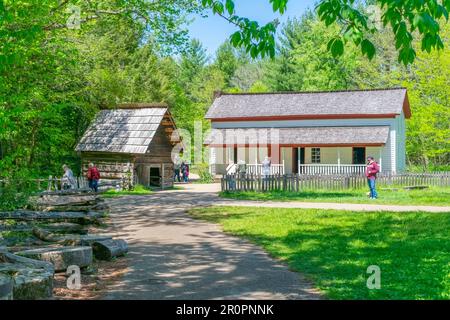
x,y
134,142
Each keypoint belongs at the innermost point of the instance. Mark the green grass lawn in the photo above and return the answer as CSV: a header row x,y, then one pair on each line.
x,y
433,196
138,190
334,248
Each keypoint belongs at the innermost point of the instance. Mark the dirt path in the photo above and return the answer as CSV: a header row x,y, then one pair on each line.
x,y
173,256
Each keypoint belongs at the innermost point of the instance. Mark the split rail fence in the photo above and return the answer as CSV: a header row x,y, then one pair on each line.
x,y
57,183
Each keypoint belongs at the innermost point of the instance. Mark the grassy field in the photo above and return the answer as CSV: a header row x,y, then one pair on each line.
x,y
433,196
334,248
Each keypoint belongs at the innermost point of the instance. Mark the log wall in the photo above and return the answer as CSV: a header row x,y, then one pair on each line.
x,y
111,166
157,156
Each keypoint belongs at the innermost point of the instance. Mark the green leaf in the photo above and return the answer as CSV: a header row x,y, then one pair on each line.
x,y
368,48
236,38
229,5
218,7
336,46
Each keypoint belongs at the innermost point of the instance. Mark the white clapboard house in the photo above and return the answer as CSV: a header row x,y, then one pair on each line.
x,y
329,132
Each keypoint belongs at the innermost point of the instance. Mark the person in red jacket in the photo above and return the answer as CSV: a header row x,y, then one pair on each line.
x,y
372,169
93,175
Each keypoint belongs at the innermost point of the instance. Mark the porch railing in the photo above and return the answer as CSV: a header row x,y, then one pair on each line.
x,y
257,169
329,169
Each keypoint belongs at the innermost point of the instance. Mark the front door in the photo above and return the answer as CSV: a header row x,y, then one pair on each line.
x,y
298,157
295,160
359,155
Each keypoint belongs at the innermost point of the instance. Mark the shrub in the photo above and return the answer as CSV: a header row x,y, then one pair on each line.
x,y
14,195
204,174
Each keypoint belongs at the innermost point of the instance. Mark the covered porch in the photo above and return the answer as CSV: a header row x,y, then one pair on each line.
x,y
330,160
293,160
310,151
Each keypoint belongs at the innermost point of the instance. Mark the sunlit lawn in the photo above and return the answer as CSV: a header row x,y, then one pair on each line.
x,y
334,248
138,190
433,196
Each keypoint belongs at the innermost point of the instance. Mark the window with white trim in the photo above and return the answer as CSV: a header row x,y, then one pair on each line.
x,y
315,155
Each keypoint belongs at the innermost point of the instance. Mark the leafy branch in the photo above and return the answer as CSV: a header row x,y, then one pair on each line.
x,y
256,39
404,17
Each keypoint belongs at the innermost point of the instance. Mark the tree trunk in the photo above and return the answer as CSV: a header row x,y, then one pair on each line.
x,y
108,249
69,239
78,217
32,279
61,258
6,287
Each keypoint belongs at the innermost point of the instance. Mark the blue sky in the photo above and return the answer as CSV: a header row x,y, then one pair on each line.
x,y
214,30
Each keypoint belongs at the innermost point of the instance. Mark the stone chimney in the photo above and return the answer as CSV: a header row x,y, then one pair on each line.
x,y
217,94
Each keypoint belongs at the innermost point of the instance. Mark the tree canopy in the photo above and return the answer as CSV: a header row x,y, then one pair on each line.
x,y
60,61
408,19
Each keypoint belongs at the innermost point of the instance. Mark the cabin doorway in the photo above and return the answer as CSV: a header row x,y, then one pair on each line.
x,y
155,177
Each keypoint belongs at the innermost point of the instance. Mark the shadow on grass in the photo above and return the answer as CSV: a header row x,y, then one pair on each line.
x,y
436,196
334,248
281,195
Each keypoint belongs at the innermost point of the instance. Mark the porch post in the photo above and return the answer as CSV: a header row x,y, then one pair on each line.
x,y
299,160
339,159
380,152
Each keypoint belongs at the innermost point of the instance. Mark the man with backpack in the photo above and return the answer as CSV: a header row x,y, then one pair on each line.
x,y
372,169
93,175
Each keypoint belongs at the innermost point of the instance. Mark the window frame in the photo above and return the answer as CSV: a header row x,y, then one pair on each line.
x,y
316,156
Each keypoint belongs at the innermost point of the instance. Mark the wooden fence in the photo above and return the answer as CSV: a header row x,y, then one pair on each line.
x,y
57,183
295,182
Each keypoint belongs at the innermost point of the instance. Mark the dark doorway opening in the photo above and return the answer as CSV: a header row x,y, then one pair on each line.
x,y
298,155
155,177
295,160
302,155
235,155
359,155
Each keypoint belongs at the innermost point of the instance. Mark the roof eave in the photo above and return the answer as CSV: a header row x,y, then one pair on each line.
x,y
305,117
295,145
407,106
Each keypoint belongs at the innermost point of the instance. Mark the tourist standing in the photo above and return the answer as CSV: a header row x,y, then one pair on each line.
x,y
93,176
176,171
185,171
372,169
266,164
68,178
266,167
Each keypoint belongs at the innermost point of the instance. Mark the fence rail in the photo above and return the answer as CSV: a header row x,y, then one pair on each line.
x,y
329,169
57,183
298,182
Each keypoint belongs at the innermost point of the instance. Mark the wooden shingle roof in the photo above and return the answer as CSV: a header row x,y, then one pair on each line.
x,y
128,129
302,136
311,105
